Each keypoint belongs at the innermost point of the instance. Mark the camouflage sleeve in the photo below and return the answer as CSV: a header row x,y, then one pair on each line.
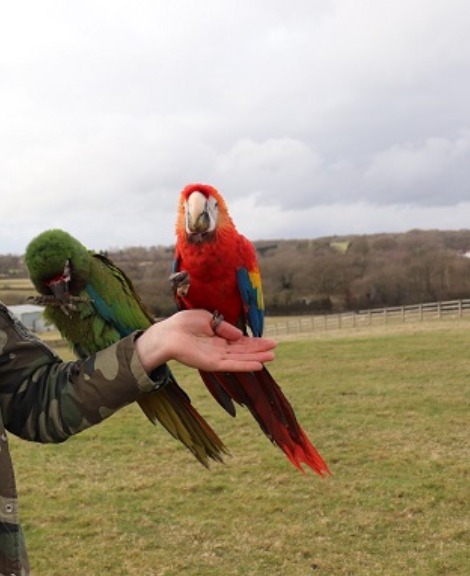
x,y
47,400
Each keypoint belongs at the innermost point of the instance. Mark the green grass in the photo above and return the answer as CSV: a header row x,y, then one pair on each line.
x,y
15,290
341,246
389,412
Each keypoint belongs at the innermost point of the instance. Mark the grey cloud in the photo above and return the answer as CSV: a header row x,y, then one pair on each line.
x,y
433,173
340,108
288,172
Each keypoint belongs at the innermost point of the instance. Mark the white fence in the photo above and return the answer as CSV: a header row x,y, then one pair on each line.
x,y
434,311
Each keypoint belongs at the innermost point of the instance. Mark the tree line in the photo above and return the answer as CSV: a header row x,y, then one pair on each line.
x,y
328,274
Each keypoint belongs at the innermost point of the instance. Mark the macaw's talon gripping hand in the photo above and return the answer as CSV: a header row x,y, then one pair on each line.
x,y
180,283
216,321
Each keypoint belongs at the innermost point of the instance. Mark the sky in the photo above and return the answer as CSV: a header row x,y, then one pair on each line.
x,y
311,117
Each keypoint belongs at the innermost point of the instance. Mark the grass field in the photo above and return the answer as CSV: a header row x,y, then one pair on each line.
x,y
389,411
15,290
16,284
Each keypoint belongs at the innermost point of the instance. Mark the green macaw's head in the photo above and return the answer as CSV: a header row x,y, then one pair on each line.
x,y
58,264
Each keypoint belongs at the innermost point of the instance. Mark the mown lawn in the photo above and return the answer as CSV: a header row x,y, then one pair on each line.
x,y
390,412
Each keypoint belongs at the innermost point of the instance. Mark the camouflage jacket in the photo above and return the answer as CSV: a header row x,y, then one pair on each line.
x,y
46,400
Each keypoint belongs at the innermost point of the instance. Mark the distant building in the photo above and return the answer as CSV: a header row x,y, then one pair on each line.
x,y
31,316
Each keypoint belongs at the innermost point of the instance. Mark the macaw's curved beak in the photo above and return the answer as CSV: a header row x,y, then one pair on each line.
x,y
197,216
59,287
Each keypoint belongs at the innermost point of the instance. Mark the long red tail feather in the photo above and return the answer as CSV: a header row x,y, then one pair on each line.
x,y
261,394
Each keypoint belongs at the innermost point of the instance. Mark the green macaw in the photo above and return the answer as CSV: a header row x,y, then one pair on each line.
x,y
94,304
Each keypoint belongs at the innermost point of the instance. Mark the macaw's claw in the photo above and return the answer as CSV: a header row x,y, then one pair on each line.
x,y
217,319
67,304
180,283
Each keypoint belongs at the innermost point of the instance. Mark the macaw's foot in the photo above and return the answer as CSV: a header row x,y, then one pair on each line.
x,y
217,319
180,283
67,304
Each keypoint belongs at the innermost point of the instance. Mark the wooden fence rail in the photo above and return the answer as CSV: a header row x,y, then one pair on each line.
x,y
454,309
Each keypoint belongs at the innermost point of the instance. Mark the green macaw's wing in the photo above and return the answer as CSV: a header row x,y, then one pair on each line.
x,y
108,310
115,297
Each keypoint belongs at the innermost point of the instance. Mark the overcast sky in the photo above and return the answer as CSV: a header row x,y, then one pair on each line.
x,y
311,117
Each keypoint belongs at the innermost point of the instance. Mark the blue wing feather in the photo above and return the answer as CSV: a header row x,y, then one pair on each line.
x,y
107,313
253,301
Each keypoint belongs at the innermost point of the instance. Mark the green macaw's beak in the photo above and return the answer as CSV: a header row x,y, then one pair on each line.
x,y
59,288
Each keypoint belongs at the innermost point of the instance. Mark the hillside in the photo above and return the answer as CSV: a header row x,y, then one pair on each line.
x,y
324,274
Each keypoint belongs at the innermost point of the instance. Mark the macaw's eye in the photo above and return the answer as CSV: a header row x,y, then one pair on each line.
x,y
212,203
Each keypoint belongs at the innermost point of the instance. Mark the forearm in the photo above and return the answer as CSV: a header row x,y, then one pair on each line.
x,y
47,400
69,397
86,392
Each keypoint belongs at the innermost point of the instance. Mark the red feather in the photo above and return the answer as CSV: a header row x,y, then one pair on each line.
x,y
213,261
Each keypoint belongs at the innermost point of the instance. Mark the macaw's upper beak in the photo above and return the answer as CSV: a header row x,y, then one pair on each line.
x,y
197,216
59,286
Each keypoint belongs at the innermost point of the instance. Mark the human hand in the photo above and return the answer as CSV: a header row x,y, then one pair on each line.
x,y
189,338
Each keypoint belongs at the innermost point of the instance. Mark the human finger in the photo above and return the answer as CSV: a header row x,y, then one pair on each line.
x,y
252,344
226,330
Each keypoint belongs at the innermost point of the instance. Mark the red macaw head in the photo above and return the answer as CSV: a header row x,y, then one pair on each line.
x,y
202,212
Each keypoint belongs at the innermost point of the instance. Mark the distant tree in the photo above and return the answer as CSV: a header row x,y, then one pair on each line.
x,y
12,266
322,274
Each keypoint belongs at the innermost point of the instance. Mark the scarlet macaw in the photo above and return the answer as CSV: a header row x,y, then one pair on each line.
x,y
216,268
94,304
